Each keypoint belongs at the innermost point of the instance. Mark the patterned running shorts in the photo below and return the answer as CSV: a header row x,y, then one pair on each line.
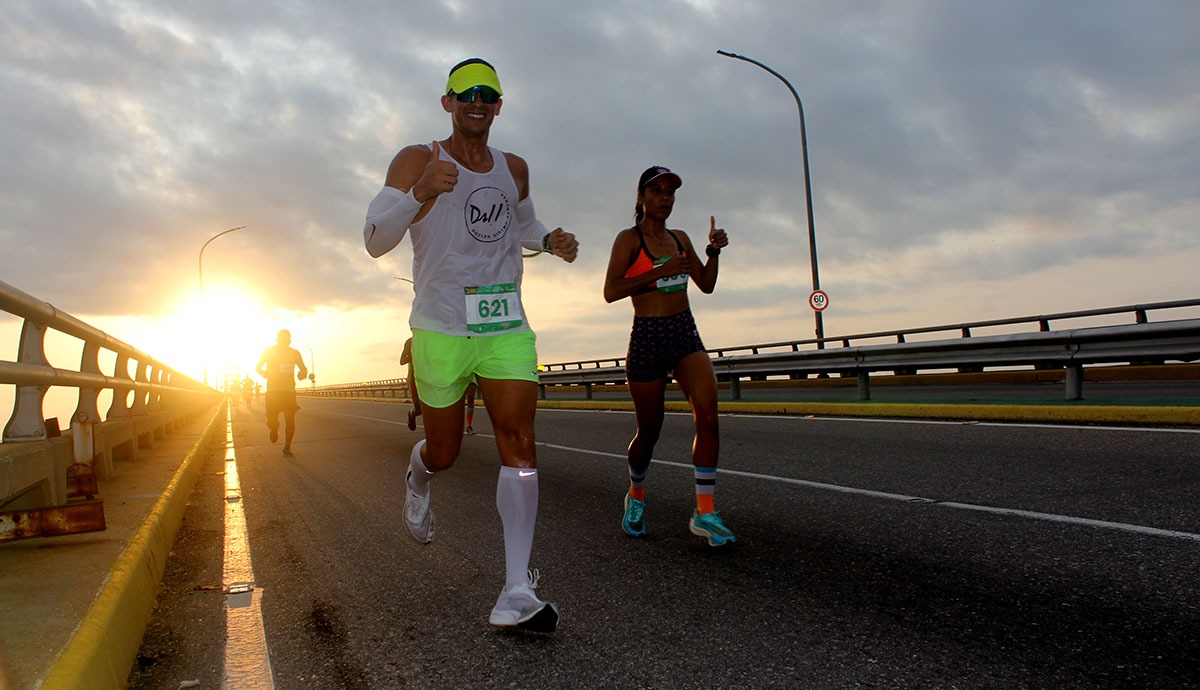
x,y
658,343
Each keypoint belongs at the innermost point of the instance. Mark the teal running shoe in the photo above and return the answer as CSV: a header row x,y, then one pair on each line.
x,y
633,523
711,527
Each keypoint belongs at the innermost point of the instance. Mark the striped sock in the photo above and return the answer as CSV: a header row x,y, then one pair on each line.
x,y
636,479
706,483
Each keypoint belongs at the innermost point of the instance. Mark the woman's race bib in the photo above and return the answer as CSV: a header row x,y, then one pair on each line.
x,y
670,283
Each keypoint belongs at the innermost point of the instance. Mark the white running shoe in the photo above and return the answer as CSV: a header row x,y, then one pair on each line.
x,y
418,517
518,607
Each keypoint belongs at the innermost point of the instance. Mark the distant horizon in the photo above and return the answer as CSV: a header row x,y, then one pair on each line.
x,y
64,352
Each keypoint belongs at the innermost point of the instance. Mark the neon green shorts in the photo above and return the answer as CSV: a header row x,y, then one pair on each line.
x,y
445,364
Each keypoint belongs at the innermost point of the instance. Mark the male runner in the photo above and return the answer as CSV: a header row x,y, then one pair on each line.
x,y
468,208
277,365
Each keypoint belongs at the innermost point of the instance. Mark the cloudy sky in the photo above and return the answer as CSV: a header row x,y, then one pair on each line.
x,y
969,160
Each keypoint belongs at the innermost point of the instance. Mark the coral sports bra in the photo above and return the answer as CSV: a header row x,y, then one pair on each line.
x,y
646,262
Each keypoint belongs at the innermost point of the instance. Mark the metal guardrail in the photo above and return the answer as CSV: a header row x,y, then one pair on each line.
x,y
42,476
387,388
1071,348
859,355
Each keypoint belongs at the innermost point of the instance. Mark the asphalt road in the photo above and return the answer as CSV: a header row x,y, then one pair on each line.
x,y
871,553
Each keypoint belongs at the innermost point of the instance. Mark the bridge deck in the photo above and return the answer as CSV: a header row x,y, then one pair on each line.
x,y
52,585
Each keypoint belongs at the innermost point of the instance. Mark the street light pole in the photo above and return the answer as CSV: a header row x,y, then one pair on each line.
x,y
201,262
812,234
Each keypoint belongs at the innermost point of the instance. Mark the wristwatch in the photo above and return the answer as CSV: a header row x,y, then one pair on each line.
x,y
546,243
712,251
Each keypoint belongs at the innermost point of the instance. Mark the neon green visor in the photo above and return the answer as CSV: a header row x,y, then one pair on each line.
x,y
471,75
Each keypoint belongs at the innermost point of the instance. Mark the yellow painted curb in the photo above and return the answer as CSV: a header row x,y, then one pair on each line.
x,y
104,647
1179,415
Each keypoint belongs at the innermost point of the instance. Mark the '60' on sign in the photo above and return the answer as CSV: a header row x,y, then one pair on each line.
x,y
818,300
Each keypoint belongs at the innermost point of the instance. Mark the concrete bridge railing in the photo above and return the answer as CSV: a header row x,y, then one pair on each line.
x,y
48,476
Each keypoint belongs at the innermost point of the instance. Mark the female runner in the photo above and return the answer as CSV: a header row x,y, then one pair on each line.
x,y
651,265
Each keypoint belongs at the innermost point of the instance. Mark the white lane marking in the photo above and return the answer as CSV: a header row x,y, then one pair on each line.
x,y
920,500
359,416
1029,514
247,658
1050,517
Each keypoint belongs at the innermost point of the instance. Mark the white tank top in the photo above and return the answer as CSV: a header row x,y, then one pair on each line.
x,y
469,240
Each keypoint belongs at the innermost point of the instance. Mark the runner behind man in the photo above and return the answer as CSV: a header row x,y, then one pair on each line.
x,y
415,410
277,365
472,388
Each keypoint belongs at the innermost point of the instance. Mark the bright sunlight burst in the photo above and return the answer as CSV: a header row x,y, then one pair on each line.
x,y
221,336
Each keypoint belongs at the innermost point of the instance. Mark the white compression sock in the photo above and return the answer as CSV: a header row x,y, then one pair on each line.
x,y
420,475
517,501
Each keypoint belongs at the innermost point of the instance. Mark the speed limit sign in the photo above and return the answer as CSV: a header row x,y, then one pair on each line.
x,y
818,300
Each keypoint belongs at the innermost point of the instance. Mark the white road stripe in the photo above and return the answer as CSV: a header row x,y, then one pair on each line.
x,y
920,500
247,659
1028,514
1013,512
359,416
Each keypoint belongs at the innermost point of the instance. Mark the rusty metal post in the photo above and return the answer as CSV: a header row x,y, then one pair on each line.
x,y
72,518
81,475
82,512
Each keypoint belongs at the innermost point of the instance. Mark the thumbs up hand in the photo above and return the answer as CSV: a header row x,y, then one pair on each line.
x,y
716,236
438,177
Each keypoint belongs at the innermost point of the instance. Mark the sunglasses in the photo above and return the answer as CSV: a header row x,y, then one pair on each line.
x,y
485,93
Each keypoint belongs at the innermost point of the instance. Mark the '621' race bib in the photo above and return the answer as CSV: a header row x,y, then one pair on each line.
x,y
493,308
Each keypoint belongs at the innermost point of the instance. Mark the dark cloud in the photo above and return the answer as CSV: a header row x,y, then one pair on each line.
x,y
947,141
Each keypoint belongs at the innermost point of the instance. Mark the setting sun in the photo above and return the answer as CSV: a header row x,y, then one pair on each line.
x,y
223,335
234,329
